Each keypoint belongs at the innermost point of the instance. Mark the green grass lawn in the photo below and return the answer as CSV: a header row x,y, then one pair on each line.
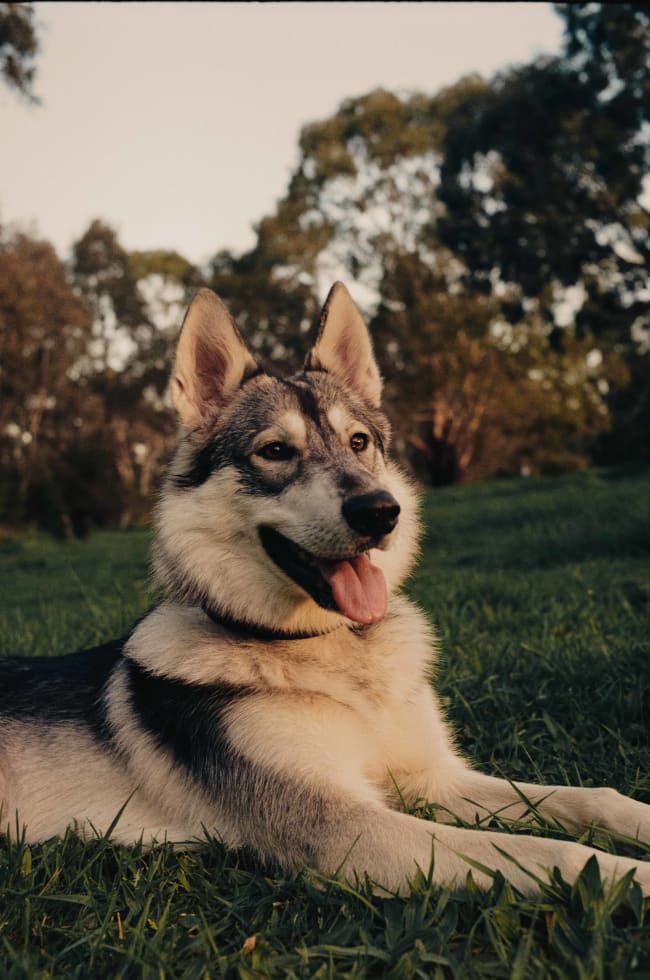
x,y
541,592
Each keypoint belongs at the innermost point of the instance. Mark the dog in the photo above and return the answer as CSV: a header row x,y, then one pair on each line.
x,y
279,697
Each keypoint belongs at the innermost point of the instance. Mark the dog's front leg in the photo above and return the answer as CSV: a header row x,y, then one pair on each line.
x,y
295,789
425,766
355,839
475,795
463,793
525,861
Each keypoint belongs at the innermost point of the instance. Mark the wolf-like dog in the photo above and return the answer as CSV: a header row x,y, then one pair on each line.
x,y
280,695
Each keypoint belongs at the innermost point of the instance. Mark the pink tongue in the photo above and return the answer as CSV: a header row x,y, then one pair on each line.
x,y
359,589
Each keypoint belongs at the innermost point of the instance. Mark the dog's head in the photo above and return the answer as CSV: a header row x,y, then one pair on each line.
x,y
281,508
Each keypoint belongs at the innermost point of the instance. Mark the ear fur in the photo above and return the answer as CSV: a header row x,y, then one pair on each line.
x,y
211,362
343,346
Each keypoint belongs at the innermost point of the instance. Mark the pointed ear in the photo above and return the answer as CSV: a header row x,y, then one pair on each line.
x,y
343,346
212,360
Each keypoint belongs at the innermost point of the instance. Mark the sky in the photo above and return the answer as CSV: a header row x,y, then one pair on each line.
x,y
178,123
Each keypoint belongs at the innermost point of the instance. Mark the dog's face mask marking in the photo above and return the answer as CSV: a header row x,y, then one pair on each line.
x,y
332,507
303,457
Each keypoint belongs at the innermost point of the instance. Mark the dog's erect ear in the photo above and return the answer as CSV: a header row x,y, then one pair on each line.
x,y
343,346
212,360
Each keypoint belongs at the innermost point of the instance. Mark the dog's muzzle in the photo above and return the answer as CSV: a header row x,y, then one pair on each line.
x,y
372,515
352,584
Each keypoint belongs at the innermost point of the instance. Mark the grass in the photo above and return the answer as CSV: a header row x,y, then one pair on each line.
x,y
541,594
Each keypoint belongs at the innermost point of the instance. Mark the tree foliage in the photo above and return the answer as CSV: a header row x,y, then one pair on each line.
x,y
86,355
274,311
542,189
541,183
128,361
471,394
18,47
44,327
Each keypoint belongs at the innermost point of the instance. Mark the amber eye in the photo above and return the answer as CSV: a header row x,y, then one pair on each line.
x,y
358,442
277,452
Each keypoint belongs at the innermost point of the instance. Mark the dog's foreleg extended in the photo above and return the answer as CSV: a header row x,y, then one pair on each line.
x,y
357,838
427,768
431,770
575,808
477,797
314,803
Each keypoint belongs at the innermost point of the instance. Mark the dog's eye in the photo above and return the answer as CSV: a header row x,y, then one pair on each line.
x,y
276,452
359,441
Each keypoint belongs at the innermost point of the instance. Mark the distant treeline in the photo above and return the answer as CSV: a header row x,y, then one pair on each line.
x,y
496,235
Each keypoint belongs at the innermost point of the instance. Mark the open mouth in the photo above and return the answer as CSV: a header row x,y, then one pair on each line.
x,y
352,586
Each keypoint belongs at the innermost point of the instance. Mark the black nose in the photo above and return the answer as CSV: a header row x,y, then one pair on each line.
x,y
372,514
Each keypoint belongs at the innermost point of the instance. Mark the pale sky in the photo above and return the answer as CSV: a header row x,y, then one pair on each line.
x,y
178,122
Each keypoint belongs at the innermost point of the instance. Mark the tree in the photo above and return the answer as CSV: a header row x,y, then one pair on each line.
x,y
542,182
84,424
101,270
274,310
18,47
137,301
44,328
482,396
540,185
609,49
366,175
